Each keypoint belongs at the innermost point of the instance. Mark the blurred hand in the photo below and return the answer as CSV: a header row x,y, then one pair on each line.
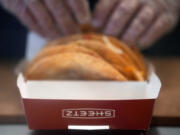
x,y
50,18
140,22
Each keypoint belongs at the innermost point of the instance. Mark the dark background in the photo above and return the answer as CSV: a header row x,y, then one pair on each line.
x,y
13,39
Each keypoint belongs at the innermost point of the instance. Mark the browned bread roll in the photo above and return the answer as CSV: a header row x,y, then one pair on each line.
x,y
87,57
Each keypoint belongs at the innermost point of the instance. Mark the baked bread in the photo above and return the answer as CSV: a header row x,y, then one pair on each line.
x,y
87,57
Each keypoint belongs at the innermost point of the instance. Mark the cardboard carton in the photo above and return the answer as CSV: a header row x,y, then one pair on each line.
x,y
89,104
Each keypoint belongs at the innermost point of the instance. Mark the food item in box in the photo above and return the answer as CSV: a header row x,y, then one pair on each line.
x,y
87,57
73,65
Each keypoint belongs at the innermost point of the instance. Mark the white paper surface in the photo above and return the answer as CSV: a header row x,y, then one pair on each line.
x,y
82,127
90,90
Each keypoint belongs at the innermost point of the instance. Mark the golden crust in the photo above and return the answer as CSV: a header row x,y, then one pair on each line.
x,y
132,55
64,40
71,47
127,61
109,55
71,65
135,57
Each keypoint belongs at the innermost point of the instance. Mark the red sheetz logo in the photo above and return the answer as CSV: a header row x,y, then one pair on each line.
x,y
88,113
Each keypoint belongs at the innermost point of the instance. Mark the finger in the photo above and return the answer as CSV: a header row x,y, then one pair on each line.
x,y
102,10
44,18
121,16
161,26
28,20
81,11
19,9
139,25
12,6
62,16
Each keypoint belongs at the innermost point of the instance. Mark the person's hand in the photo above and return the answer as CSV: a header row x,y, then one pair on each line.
x,y
50,18
136,22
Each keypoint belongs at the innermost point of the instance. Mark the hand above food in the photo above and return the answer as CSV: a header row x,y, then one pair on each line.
x,y
50,18
136,22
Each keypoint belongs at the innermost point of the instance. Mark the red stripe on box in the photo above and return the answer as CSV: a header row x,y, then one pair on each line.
x,y
58,114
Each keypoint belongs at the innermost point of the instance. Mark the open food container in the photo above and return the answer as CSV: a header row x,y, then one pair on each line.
x,y
89,104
